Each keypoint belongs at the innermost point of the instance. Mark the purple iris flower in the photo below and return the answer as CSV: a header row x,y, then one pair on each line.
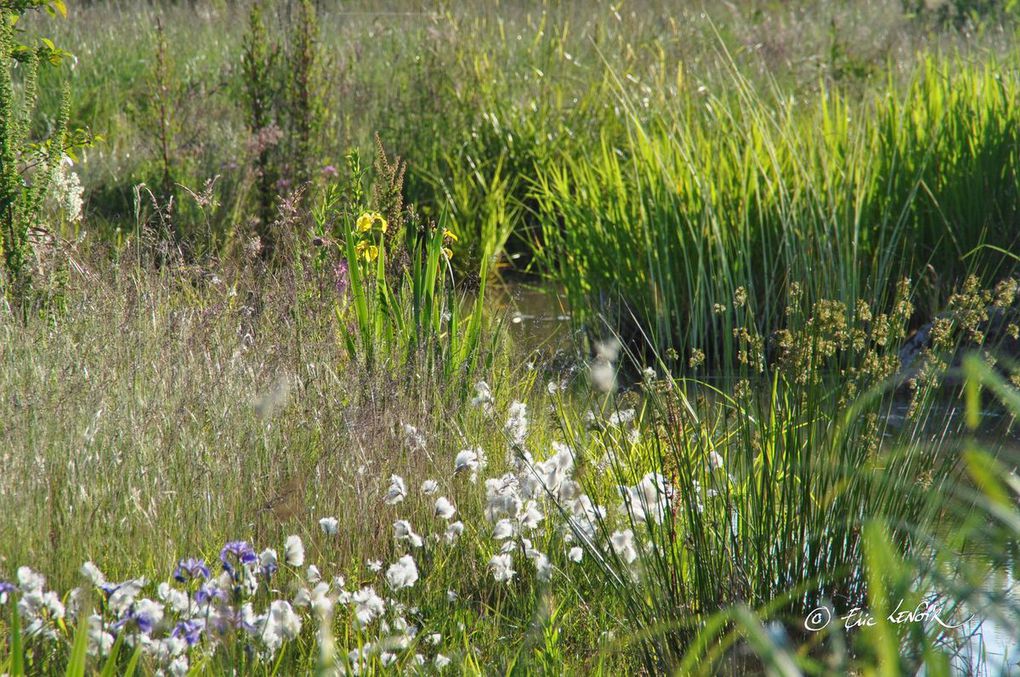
x,y
229,619
110,588
191,631
241,551
143,621
208,592
191,568
5,589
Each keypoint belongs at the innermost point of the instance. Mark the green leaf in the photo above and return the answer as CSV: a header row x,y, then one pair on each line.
x,y
17,649
110,667
132,665
79,651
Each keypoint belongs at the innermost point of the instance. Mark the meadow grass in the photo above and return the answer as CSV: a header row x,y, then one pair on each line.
x,y
291,433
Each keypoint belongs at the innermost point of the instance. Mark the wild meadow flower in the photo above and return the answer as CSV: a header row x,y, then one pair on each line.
x,y
366,251
585,516
227,618
189,630
30,581
280,624
294,551
441,661
397,490
6,588
402,574
576,554
649,499
483,396
503,530
312,574
402,531
601,370
543,567
529,516
66,189
144,615
319,600
100,642
178,667
516,427
374,565
715,461
92,574
191,569
444,509
429,487
237,554
413,437
371,221
367,605
470,460
330,526
453,532
269,562
329,171
342,278
502,567
623,545
174,598
208,592
550,477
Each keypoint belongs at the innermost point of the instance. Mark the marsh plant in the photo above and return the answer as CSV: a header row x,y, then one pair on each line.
x,y
739,190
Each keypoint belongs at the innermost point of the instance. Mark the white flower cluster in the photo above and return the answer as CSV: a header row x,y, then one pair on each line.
x,y
195,611
66,190
533,508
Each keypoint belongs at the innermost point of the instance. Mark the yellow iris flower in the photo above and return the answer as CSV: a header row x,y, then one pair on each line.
x,y
366,251
371,221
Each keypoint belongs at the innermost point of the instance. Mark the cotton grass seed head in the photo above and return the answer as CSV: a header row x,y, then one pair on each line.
x,y
330,526
294,551
444,509
402,574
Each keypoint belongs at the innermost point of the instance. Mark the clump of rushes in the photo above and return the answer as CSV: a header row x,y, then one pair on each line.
x,y
746,191
755,487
